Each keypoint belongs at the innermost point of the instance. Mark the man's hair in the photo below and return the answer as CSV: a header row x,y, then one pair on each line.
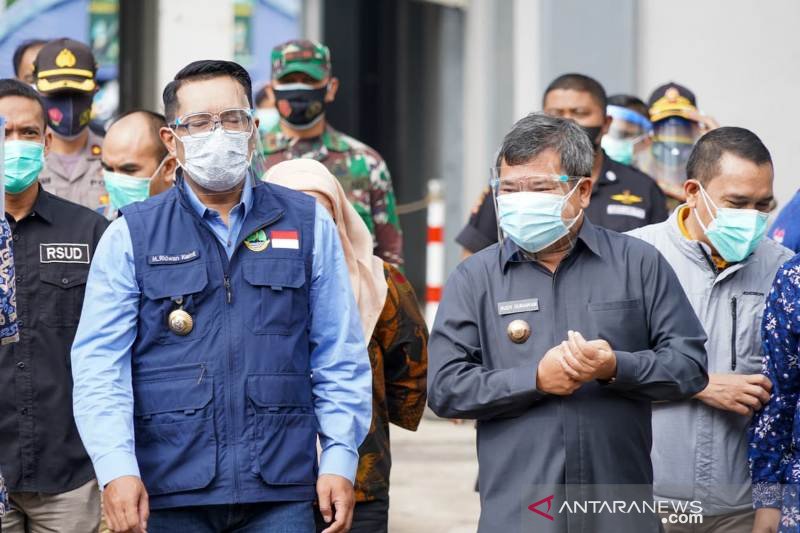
x,y
204,70
155,121
705,157
630,102
578,82
12,87
261,95
537,132
20,51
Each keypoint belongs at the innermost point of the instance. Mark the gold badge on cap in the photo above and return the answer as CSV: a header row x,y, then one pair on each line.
x,y
180,322
66,59
519,331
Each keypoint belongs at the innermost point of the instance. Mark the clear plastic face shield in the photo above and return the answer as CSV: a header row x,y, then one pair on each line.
x,y
673,140
535,210
626,136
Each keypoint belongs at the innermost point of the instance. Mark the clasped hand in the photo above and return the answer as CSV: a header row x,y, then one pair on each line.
x,y
565,367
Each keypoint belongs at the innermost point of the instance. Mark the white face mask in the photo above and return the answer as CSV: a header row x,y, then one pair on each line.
x,y
217,161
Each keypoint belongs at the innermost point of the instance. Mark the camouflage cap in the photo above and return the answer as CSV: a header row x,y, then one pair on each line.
x,y
65,65
306,56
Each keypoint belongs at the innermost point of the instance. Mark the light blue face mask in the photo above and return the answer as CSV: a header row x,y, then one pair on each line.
x,y
23,161
533,219
123,189
620,150
268,118
734,233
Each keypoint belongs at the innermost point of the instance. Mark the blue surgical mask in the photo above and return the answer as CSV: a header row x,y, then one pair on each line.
x,y
23,162
268,118
533,219
734,233
123,189
620,150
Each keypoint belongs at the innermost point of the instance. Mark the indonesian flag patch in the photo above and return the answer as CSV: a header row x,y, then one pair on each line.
x,y
289,239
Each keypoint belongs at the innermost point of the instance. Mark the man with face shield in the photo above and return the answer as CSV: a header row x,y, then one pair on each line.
x,y
677,124
628,136
302,87
136,163
220,339
49,476
557,340
715,243
65,77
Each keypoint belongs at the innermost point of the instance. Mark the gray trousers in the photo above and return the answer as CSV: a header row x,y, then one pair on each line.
x,y
76,511
739,522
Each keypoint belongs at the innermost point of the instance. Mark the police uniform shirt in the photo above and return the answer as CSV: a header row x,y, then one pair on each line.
x,y
623,199
82,183
501,312
40,449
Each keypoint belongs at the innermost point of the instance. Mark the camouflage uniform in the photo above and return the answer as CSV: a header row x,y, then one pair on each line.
x,y
363,175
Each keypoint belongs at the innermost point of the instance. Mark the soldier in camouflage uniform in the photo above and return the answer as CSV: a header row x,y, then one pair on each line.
x,y
302,85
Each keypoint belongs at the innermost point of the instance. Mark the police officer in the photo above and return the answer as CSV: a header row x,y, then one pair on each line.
x,y
220,338
623,198
136,163
557,341
49,475
65,76
302,86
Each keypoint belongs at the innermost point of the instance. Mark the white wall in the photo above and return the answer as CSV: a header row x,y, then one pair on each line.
x,y
189,30
742,60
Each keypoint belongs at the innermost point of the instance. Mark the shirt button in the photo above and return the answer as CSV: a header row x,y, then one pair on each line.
x,y
19,279
20,323
21,365
16,236
24,410
64,281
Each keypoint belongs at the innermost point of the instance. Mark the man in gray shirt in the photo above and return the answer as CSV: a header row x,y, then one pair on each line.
x,y
557,340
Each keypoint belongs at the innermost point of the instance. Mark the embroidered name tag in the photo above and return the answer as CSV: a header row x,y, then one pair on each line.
x,y
626,210
64,252
517,306
173,259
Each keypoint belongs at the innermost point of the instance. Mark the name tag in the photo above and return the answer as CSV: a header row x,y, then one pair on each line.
x,y
517,306
174,259
64,252
626,210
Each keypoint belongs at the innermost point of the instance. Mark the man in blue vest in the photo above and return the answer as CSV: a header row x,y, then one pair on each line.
x,y
219,339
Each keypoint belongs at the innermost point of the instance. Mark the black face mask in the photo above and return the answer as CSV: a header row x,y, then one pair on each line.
x,y
594,133
68,114
300,105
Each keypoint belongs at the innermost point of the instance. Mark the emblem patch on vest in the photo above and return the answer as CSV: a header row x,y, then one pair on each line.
x,y
173,259
64,252
257,241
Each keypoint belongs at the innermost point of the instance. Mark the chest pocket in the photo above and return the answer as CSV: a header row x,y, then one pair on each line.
x,y
622,323
162,285
62,298
278,287
746,310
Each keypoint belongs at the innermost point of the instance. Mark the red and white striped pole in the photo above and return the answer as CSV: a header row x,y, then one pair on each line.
x,y
434,267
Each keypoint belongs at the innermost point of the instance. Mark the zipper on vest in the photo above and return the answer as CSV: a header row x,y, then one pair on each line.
x,y
733,332
228,292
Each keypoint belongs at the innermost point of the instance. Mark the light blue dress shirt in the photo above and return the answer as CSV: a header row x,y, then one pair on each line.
x,y
101,352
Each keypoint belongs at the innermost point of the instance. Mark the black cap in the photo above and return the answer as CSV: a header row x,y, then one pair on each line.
x,y
671,100
65,65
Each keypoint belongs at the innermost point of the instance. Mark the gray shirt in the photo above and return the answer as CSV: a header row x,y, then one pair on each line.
x,y
530,443
709,462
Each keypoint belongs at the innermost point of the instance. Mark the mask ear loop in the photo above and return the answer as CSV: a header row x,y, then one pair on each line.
x,y
706,201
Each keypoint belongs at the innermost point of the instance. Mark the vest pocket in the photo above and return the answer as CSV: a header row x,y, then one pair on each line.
x,y
163,284
281,301
176,446
284,429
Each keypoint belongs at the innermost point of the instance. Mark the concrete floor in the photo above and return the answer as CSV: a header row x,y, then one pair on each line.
x,y
433,477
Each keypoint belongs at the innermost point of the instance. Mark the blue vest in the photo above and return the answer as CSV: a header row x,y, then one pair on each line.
x,y
224,414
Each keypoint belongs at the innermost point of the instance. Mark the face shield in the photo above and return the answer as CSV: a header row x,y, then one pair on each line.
x,y
533,208
673,139
628,130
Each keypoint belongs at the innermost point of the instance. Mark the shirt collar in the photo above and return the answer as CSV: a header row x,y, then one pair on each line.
x,y
200,208
276,141
43,206
588,235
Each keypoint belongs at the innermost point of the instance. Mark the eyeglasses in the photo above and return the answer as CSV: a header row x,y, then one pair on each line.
x,y
199,124
549,183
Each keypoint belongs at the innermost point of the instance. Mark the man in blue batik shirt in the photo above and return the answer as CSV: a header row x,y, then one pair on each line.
x,y
219,338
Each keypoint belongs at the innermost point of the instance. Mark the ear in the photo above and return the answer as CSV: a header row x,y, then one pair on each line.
x,y
48,139
606,125
691,189
333,88
584,192
270,93
168,169
168,138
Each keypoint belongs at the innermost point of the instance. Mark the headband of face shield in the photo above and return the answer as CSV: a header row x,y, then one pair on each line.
x,y
673,140
628,128
530,208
